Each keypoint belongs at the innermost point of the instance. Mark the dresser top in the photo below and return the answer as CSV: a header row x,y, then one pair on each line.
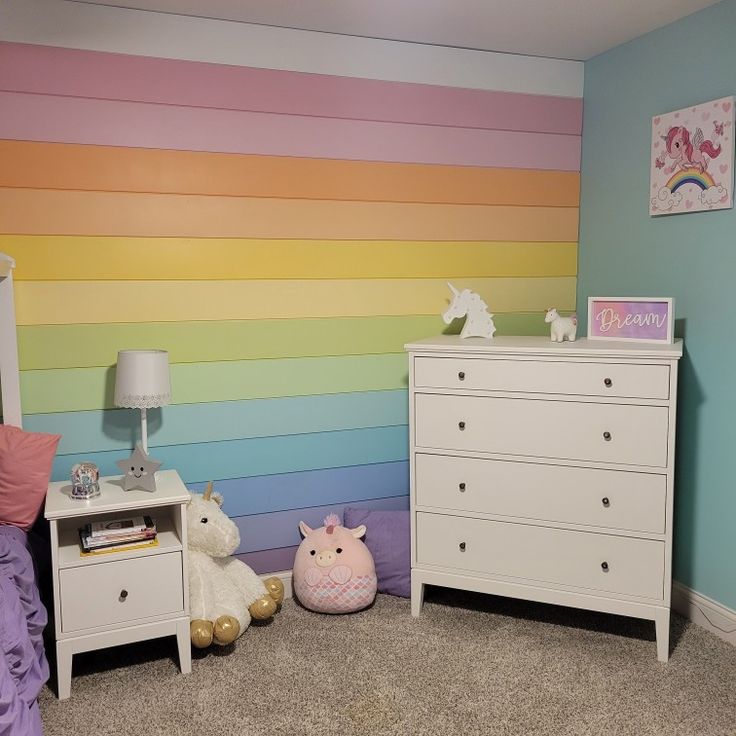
x,y
582,347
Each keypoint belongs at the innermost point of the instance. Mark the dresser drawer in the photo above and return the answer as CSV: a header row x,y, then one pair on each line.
x,y
117,592
622,380
599,562
612,433
611,499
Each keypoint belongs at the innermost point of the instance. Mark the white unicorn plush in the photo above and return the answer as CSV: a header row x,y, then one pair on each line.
x,y
563,328
224,593
479,323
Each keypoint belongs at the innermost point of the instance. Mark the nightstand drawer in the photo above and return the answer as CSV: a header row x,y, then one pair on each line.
x,y
611,433
621,380
600,562
612,499
118,592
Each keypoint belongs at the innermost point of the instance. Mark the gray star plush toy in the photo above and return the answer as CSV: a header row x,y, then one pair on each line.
x,y
138,471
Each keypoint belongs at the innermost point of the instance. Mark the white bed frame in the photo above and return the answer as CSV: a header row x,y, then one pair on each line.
x,y
9,374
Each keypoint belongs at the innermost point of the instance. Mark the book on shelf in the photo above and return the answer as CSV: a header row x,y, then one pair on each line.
x,y
129,547
117,533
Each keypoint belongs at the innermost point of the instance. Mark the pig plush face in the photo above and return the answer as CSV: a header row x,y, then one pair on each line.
x,y
333,570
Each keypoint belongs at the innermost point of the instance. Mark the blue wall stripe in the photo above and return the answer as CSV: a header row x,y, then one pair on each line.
x,y
263,455
268,493
281,529
180,424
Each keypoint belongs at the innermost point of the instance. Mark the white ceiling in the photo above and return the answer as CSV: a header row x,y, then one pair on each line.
x,y
563,29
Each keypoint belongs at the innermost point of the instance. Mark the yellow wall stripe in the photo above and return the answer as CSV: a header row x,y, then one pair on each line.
x,y
70,302
51,212
59,257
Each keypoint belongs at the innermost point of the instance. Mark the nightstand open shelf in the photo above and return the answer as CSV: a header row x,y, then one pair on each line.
x,y
119,597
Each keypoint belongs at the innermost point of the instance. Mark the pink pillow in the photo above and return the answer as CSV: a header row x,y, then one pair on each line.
x,y
25,467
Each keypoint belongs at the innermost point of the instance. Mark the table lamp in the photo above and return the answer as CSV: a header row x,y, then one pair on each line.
x,y
142,382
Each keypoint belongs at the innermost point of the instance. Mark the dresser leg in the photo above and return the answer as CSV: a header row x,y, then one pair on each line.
x,y
63,669
417,595
184,644
662,626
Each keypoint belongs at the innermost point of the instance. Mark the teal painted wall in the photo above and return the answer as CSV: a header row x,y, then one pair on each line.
x,y
691,257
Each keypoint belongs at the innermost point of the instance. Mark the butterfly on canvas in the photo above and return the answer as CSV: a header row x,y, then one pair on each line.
x,y
719,127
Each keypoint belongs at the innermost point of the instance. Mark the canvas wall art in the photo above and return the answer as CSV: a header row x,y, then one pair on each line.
x,y
692,159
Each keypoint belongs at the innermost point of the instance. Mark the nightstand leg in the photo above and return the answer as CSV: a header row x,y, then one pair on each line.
x,y
417,595
662,627
184,643
63,669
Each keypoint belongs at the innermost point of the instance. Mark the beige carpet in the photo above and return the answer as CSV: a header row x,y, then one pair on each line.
x,y
469,665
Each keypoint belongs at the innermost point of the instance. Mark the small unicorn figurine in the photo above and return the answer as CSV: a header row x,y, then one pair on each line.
x,y
563,328
479,323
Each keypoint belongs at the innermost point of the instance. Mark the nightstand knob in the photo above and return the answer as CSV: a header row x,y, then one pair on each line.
x,y
607,436
461,486
605,501
461,375
123,594
604,566
608,382
462,546
461,425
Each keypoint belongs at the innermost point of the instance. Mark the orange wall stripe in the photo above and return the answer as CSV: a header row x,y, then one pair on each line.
x,y
49,212
112,169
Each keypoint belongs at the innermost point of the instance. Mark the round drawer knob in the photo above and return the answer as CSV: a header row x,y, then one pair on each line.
x,y
461,375
462,546
606,501
461,425
607,436
461,486
123,594
607,382
604,566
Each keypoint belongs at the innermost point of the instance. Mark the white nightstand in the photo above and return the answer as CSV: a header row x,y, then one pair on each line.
x,y
121,597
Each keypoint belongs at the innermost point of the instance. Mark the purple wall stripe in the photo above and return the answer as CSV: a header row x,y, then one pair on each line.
x,y
143,125
268,493
281,529
270,560
70,72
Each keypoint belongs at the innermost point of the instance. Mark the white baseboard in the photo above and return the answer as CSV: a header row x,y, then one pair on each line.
x,y
285,576
705,612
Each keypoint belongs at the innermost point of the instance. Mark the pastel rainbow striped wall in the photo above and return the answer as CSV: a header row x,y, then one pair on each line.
x,y
282,234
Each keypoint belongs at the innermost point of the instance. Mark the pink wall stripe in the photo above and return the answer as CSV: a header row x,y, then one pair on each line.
x,y
70,72
144,125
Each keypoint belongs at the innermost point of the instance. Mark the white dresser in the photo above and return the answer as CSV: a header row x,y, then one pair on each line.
x,y
544,471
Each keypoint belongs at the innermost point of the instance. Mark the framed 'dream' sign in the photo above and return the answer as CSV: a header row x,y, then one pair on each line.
x,y
631,319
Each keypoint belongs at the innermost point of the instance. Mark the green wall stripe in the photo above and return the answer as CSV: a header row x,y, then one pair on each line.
x,y
179,424
263,455
90,345
78,389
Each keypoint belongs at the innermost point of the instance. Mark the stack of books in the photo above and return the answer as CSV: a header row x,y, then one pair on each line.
x,y
117,535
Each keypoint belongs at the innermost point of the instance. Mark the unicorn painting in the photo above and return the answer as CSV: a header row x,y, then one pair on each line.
x,y
478,323
692,159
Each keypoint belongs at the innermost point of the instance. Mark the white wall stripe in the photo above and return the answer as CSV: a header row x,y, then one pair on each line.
x,y
143,33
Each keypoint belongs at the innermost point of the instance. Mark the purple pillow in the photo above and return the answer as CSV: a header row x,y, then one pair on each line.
x,y
388,539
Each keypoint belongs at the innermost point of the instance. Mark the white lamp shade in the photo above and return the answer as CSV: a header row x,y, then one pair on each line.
x,y
142,379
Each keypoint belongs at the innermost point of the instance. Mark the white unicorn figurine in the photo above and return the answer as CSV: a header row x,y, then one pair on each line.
x,y
479,323
563,328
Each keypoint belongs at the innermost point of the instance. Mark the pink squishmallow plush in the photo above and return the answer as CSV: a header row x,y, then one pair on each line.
x,y
333,569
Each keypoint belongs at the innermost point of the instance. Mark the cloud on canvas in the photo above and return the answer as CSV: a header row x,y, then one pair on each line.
x,y
666,200
713,195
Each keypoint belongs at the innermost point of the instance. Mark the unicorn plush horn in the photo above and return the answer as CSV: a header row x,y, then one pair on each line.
x,y
453,289
208,492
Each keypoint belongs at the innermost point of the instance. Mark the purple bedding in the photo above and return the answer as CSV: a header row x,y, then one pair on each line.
x,y
23,665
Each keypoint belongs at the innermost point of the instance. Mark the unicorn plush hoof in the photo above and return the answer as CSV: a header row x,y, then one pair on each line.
x,y
200,632
263,608
226,630
275,589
